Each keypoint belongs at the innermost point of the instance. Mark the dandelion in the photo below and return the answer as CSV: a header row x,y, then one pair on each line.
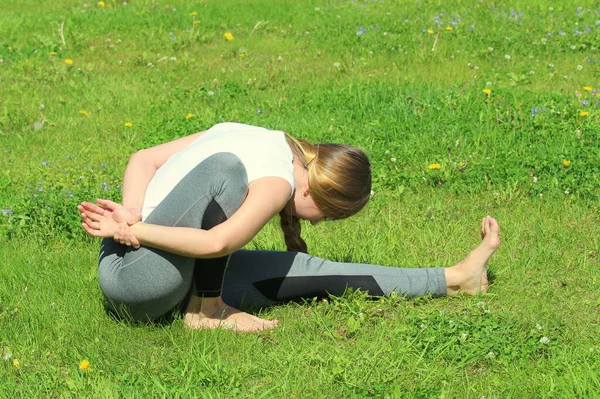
x,y
69,61
101,4
584,113
228,36
587,88
128,124
189,116
53,53
487,91
544,340
449,28
196,22
566,163
84,365
193,13
16,364
435,166
430,31
84,113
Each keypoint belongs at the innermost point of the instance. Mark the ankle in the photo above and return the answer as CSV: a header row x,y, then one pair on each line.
x,y
454,276
201,304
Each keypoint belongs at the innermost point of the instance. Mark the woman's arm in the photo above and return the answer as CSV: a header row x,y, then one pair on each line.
x,y
266,197
143,165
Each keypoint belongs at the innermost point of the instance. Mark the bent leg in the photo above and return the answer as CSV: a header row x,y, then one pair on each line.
x,y
264,278
147,283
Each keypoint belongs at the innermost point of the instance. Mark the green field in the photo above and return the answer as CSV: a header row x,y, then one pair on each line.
x,y
464,109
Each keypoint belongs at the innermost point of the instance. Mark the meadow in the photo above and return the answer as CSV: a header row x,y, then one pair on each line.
x,y
465,109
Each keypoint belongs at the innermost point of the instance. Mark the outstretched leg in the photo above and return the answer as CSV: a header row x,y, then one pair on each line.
x,y
265,278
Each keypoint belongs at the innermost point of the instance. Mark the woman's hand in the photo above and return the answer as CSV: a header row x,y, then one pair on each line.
x,y
110,220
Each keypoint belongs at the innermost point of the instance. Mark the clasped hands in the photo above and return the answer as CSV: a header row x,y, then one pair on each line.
x,y
109,219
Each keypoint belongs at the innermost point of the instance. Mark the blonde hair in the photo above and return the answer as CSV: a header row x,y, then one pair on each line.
x,y
339,181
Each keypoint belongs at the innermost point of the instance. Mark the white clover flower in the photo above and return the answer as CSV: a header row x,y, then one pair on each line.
x,y
490,49
544,340
393,160
372,193
507,56
491,355
579,67
538,326
336,64
211,93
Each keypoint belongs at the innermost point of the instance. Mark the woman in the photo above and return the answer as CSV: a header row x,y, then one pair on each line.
x,y
190,203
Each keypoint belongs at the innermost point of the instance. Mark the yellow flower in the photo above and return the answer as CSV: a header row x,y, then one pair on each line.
x,y
128,124
430,31
275,27
584,113
435,166
566,163
84,113
449,28
487,91
196,22
228,36
242,55
53,53
69,61
108,5
587,88
189,116
101,4
15,363
193,13
84,365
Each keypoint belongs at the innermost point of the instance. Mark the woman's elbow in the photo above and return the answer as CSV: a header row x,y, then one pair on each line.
x,y
220,247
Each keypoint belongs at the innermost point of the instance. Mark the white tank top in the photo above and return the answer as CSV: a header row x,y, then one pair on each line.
x,y
263,152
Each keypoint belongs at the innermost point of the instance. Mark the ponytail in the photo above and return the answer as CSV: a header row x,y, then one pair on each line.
x,y
291,232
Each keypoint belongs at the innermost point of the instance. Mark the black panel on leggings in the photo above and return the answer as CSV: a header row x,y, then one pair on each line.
x,y
283,289
209,273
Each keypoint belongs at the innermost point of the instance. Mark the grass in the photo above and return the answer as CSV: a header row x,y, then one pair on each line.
x,y
362,72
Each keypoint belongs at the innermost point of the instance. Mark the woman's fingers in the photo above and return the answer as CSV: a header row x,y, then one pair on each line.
x,y
108,204
89,222
91,207
90,231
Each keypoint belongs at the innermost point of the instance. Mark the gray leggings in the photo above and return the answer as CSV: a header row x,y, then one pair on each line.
x,y
148,283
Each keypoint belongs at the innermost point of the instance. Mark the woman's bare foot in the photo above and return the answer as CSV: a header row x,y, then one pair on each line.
x,y
211,313
470,275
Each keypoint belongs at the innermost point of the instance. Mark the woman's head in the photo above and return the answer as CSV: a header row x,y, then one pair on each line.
x,y
339,177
